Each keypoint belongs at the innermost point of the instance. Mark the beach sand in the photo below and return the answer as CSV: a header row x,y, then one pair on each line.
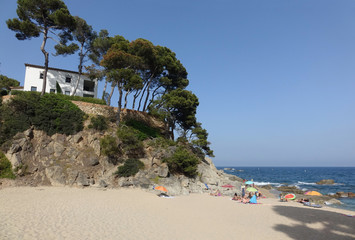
x,y
72,213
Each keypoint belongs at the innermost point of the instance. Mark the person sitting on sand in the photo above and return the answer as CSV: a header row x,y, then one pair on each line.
x,y
246,200
217,193
236,197
303,200
282,198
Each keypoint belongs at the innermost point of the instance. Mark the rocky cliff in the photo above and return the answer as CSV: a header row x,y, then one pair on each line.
x,y
76,160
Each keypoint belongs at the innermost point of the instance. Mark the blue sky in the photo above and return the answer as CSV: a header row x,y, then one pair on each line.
x,y
275,79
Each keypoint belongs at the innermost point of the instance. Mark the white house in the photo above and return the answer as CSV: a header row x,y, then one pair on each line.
x,y
66,79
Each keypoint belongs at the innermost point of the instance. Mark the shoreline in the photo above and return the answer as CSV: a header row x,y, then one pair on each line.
x,y
94,213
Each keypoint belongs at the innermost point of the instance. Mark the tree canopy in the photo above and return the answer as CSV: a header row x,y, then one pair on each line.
x,y
46,17
6,83
83,36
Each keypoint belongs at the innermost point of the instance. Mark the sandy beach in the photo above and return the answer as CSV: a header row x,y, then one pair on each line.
x,y
72,213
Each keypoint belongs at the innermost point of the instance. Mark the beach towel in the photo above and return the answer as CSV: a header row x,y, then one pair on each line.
x,y
253,200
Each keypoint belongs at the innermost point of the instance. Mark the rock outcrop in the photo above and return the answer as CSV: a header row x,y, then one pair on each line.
x,y
325,182
76,160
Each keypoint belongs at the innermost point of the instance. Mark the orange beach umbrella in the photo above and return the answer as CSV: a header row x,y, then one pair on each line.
x,y
161,188
313,193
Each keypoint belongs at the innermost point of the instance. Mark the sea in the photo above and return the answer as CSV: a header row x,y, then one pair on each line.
x,y
304,178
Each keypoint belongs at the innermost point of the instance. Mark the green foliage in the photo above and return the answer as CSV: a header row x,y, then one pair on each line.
x,y
58,88
34,15
6,83
109,146
130,168
131,143
143,130
98,122
183,161
5,167
50,113
200,140
71,98
178,107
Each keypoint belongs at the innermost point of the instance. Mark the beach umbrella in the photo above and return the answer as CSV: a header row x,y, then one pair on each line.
x,y
251,189
290,196
228,186
249,182
313,193
161,188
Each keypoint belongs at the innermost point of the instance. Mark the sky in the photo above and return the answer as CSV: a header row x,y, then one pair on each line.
x,y
275,79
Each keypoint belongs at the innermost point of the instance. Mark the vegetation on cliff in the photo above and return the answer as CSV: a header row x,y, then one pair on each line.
x,y
51,113
5,167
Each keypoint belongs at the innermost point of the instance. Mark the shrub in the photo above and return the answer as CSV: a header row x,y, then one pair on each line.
x,y
50,113
98,122
183,161
109,146
130,168
143,130
130,139
67,97
5,167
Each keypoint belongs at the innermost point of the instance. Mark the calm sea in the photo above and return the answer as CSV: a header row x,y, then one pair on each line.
x,y
304,178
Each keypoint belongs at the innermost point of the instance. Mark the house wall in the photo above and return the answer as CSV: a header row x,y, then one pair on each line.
x,y
32,79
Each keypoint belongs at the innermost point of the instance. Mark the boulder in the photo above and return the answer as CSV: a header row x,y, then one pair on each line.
x,y
325,182
83,179
88,158
290,189
56,176
58,149
268,186
351,194
342,194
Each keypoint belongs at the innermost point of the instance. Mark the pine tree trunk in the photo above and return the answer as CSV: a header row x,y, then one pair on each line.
x,y
111,93
104,90
118,119
46,61
80,68
125,100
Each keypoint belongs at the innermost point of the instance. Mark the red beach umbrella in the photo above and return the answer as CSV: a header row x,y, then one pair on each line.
x,y
228,186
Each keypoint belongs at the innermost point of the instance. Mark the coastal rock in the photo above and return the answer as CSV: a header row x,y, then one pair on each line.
x,y
268,186
88,158
351,194
55,175
290,189
83,180
332,201
342,194
325,182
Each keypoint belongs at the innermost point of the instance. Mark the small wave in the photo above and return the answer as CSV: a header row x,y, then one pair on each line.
x,y
305,183
265,183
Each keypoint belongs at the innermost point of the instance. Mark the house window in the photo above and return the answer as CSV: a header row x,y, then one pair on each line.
x,y
89,86
41,75
68,79
67,92
34,89
52,90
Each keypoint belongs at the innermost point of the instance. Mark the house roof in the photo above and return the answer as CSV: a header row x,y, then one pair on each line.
x,y
50,68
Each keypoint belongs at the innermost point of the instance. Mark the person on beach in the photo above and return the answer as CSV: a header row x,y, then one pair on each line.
x,y
243,190
217,193
236,197
282,199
